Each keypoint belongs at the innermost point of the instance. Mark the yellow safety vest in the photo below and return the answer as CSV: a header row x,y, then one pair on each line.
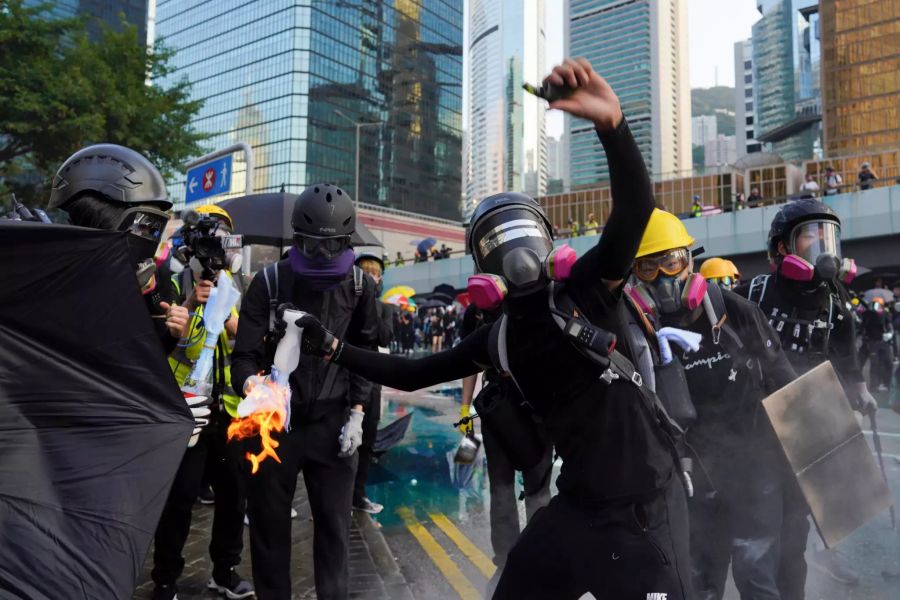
x,y
183,358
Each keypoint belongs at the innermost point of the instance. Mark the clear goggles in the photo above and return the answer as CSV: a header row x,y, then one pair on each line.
x,y
327,247
672,262
726,281
145,223
814,238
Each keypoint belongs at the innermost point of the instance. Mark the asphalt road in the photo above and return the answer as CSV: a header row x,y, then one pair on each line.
x,y
436,515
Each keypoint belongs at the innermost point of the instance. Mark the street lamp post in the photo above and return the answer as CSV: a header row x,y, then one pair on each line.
x,y
358,125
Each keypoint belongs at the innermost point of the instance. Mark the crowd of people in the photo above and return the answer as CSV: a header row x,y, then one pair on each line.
x,y
644,375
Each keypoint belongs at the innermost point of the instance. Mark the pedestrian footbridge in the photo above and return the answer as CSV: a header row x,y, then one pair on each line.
x,y
870,224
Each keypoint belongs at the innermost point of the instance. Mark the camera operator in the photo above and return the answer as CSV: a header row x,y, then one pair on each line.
x,y
204,238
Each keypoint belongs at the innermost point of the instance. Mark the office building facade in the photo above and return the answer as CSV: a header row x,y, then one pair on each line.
x,y
108,11
293,78
640,47
861,79
506,137
786,59
744,100
703,129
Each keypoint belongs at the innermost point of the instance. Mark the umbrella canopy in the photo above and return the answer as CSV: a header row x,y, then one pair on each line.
x,y
398,290
266,219
92,423
425,245
886,295
391,435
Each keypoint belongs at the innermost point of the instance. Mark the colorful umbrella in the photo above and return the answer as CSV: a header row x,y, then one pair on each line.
x,y
398,290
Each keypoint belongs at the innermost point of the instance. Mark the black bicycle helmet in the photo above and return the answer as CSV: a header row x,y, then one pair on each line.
x,y
324,210
509,220
117,173
792,214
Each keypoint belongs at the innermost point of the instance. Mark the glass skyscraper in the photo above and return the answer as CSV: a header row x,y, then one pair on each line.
x,y
861,64
110,11
786,77
640,47
506,146
279,75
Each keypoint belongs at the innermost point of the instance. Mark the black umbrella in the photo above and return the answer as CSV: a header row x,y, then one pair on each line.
x,y
266,219
92,423
391,435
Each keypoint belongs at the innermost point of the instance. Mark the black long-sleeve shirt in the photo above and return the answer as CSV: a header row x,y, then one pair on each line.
x,y
613,450
317,387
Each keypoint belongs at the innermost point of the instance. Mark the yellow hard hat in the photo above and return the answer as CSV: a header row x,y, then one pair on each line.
x,y
216,211
664,232
716,268
734,270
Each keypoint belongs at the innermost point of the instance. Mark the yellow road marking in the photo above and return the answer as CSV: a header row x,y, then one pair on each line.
x,y
438,556
472,552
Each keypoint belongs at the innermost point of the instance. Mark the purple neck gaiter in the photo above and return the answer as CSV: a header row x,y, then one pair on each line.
x,y
321,274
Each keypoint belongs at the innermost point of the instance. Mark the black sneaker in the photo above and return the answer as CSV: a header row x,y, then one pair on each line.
x,y
165,592
207,496
231,585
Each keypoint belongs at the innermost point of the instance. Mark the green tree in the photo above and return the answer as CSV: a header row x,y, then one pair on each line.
x,y
60,91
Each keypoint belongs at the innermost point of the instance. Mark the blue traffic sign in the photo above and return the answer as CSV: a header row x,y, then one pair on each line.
x,y
208,179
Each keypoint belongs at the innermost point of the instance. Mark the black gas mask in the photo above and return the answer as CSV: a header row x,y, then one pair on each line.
x,y
145,227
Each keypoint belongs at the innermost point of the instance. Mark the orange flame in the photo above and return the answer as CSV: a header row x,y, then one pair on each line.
x,y
262,422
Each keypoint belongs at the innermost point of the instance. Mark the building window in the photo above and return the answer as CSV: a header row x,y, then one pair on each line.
x,y
749,120
748,65
748,78
748,106
748,93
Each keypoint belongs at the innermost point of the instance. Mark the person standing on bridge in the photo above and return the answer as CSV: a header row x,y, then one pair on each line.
x,y
618,527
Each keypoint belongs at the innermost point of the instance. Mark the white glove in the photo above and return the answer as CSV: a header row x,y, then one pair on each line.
x,y
887,336
688,340
253,381
199,406
351,433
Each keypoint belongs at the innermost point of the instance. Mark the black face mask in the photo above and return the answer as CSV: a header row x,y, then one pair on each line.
x,y
145,227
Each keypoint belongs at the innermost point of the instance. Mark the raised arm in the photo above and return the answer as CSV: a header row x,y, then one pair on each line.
x,y
593,99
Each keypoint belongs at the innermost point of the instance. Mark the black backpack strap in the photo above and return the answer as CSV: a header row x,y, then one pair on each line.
x,y
718,317
270,274
358,281
758,286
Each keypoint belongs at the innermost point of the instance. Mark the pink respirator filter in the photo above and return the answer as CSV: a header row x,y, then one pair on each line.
x,y
486,291
694,291
796,268
560,262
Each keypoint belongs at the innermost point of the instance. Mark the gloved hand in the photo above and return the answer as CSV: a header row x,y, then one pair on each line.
x,y
317,341
280,326
865,403
688,340
253,381
351,433
464,411
887,336
199,406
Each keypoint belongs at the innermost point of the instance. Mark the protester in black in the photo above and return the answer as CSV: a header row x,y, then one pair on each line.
x,y
504,513
373,265
878,333
319,277
806,303
618,527
745,495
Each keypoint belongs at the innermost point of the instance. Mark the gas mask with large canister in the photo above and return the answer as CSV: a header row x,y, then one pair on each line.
x,y
814,250
510,242
145,227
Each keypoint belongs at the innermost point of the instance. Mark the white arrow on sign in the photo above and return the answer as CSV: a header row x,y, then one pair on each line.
x,y
192,185
224,175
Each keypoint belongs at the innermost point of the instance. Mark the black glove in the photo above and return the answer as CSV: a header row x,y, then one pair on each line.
x,y
280,326
317,341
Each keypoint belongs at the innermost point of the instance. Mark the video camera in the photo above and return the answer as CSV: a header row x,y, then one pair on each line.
x,y
200,239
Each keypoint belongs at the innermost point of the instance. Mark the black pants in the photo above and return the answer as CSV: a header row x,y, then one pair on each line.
x,y
615,553
504,503
227,476
882,364
311,448
370,432
756,521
